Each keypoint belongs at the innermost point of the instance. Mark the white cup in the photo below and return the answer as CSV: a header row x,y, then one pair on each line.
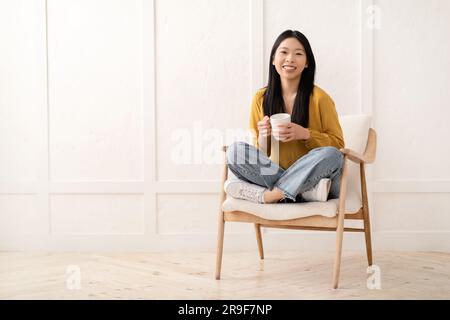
x,y
276,120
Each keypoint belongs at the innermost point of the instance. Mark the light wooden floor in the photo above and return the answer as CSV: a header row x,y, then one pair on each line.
x,y
282,275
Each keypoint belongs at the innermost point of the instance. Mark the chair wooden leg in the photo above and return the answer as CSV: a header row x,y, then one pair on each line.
x,y
219,250
221,222
338,254
340,224
259,240
366,215
368,240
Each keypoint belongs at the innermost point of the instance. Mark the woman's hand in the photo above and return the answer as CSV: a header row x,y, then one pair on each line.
x,y
264,128
290,132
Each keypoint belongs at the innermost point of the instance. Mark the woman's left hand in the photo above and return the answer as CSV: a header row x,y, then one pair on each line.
x,y
290,132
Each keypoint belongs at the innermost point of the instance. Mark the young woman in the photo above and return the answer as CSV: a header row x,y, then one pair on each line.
x,y
310,163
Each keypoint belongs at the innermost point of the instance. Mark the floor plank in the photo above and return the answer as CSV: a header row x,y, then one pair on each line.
x,y
282,275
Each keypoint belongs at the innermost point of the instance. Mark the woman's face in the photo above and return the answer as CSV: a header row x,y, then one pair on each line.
x,y
290,59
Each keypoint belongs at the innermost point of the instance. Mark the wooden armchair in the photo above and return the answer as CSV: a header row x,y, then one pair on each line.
x,y
309,216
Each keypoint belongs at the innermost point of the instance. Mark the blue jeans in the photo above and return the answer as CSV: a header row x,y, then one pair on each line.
x,y
252,165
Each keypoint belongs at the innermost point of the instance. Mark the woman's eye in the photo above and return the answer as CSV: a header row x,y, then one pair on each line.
x,y
299,54
282,51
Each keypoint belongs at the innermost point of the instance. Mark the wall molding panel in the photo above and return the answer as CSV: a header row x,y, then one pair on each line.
x,y
195,186
148,196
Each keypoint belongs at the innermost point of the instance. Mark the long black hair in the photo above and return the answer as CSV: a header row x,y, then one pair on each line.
x,y
273,98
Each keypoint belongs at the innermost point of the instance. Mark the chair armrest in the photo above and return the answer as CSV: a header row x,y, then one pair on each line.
x,y
353,155
224,176
369,153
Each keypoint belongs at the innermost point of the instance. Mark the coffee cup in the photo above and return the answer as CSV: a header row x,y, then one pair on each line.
x,y
276,120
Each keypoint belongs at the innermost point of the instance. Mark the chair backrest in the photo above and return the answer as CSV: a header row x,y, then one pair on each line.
x,y
355,129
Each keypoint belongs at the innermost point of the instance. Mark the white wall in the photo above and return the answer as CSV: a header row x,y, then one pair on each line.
x,y
96,98
411,108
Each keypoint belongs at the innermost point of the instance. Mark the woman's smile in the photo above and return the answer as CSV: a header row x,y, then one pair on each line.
x,y
288,68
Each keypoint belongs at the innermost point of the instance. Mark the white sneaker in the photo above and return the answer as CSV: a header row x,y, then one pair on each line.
x,y
243,190
319,192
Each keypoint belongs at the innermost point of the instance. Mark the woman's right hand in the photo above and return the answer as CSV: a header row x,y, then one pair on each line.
x,y
264,128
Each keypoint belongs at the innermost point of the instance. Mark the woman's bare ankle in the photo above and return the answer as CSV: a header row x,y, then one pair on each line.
x,y
273,196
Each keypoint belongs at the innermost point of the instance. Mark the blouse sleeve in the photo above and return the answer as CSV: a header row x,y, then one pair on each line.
x,y
331,134
256,115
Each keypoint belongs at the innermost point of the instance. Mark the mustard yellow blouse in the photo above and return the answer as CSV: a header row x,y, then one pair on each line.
x,y
323,126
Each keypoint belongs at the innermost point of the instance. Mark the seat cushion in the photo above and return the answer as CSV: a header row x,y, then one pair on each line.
x,y
282,211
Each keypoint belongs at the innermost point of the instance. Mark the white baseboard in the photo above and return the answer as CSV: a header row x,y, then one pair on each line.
x,y
292,240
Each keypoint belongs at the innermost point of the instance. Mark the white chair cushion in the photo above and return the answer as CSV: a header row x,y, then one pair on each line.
x,y
355,129
285,211
282,211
